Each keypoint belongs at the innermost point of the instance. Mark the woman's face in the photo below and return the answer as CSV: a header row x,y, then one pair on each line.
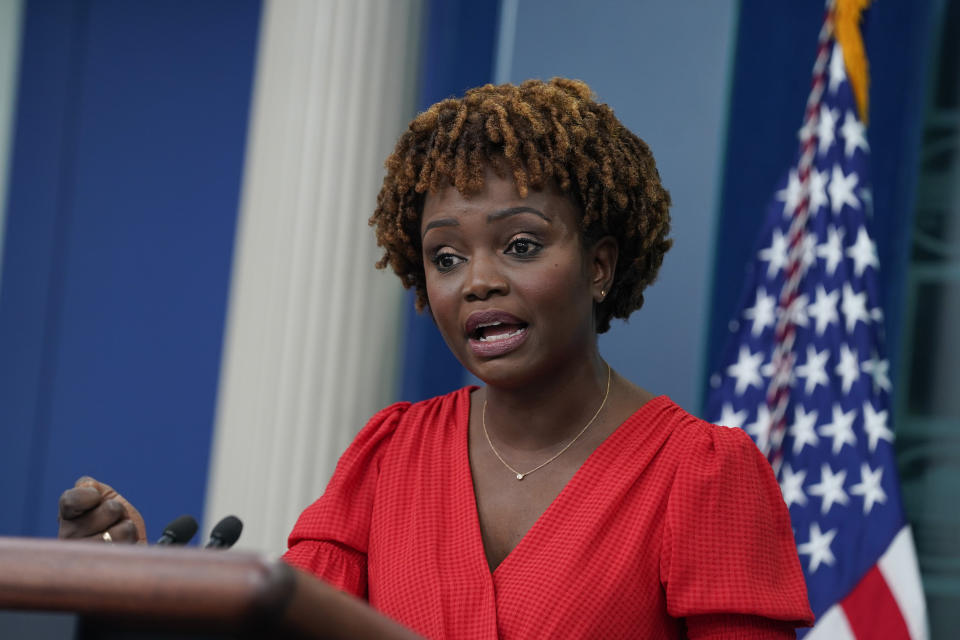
x,y
510,284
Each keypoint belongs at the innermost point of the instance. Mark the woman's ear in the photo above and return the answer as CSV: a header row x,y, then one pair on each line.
x,y
603,264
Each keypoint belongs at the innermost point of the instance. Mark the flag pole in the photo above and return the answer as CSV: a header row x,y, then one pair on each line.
x,y
778,392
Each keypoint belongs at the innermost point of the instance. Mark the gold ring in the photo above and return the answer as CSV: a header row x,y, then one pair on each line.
x,y
107,537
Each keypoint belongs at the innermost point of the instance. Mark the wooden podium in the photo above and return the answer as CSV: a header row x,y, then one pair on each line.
x,y
136,591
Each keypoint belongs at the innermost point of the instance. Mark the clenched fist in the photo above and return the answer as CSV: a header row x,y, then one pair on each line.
x,y
95,511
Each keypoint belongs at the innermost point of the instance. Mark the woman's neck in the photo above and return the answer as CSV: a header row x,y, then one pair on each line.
x,y
550,410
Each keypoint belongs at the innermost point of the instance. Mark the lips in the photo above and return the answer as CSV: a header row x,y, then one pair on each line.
x,y
494,333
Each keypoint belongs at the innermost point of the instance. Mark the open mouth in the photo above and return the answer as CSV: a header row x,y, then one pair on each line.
x,y
497,331
493,333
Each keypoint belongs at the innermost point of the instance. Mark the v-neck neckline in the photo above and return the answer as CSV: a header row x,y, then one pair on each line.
x,y
468,492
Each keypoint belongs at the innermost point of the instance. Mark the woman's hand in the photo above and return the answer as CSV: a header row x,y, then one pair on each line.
x,y
92,509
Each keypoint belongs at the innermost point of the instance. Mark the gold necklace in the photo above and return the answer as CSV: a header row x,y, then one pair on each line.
x,y
521,476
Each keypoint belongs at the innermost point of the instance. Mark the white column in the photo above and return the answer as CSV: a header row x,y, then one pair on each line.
x,y
11,14
311,347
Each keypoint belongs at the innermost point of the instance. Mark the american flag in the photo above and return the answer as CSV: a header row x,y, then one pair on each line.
x,y
806,376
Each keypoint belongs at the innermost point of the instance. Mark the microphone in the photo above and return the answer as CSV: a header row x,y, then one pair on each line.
x,y
225,533
179,531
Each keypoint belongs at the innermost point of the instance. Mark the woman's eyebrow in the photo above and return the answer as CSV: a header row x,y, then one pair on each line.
x,y
496,215
442,222
512,211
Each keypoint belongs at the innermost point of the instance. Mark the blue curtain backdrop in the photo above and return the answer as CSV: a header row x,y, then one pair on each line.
x,y
130,128
458,51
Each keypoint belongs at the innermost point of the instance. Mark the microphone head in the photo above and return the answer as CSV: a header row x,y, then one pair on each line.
x,y
181,529
226,532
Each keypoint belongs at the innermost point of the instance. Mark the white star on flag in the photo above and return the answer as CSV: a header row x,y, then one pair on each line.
x,y
854,135
818,190
802,429
746,370
841,189
863,253
791,486
818,547
759,429
762,312
854,307
791,194
878,370
830,488
869,487
775,254
875,424
840,429
848,368
814,369
824,309
826,127
832,250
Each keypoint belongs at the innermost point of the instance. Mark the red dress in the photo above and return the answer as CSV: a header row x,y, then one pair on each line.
x,y
671,528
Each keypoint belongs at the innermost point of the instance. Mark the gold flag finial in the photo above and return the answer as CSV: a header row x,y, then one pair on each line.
x,y
846,20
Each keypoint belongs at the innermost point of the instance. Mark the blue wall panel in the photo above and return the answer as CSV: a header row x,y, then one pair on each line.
x,y
124,191
663,68
458,51
33,239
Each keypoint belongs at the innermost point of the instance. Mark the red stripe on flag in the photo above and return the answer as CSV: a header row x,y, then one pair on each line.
x,y
872,610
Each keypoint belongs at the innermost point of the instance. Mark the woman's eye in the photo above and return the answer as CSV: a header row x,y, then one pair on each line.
x,y
446,261
524,247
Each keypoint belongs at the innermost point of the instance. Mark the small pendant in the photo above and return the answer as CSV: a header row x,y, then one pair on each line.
x,y
519,476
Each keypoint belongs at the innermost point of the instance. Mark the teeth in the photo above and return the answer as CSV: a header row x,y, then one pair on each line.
x,y
502,336
490,324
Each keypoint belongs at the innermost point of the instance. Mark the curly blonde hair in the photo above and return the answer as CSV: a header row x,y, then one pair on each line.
x,y
543,134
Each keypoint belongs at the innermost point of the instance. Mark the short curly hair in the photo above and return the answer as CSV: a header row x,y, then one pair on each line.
x,y
544,134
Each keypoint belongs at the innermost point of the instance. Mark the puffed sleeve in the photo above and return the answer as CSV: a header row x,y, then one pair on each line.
x,y
330,537
728,563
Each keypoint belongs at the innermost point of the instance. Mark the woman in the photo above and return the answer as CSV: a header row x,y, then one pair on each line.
x,y
559,500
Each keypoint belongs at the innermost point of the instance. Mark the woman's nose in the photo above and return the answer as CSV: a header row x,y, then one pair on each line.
x,y
483,278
